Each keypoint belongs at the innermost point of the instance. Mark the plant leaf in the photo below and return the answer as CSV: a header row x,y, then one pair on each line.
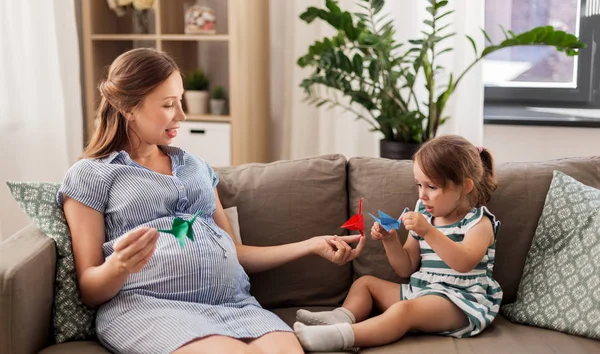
x,y
487,36
473,44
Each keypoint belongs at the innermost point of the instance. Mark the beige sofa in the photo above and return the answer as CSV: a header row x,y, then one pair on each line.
x,y
289,201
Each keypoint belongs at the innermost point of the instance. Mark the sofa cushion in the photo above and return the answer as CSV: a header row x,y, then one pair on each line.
x,y
560,288
291,201
383,184
71,318
518,204
83,347
502,337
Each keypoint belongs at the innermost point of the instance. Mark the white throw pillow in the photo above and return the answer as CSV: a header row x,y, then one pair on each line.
x,y
232,216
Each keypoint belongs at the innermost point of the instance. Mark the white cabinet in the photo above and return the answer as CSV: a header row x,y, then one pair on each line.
x,y
207,140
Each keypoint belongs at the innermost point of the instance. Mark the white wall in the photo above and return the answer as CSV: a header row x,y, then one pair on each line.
x,y
511,143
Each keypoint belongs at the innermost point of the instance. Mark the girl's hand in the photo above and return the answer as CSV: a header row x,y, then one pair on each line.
x,y
416,222
336,249
379,233
133,250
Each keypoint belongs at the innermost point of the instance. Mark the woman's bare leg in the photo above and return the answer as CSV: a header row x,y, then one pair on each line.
x,y
215,345
277,343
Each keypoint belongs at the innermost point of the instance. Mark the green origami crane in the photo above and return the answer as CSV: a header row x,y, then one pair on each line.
x,y
182,228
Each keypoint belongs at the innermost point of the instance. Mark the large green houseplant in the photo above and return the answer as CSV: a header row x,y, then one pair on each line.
x,y
366,65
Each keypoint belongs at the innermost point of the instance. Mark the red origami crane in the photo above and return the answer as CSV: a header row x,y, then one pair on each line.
x,y
357,221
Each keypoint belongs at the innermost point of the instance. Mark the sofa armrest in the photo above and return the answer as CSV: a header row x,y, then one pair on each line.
x,y
27,267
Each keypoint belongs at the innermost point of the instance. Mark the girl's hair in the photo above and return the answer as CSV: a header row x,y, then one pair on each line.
x,y
131,77
454,158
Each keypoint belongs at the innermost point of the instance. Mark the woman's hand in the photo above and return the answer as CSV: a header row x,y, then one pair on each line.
x,y
336,249
416,222
133,250
379,233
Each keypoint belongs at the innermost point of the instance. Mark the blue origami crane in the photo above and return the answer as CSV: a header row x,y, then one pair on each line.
x,y
388,222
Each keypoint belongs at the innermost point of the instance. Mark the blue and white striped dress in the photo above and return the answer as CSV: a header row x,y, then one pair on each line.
x,y
182,294
476,293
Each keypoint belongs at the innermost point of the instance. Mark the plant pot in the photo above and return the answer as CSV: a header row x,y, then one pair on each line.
x,y
217,107
196,102
396,150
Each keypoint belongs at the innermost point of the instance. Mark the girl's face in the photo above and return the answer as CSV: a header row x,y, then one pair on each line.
x,y
439,202
156,121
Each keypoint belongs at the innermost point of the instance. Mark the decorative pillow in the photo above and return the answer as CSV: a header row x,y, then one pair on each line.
x,y
560,287
72,320
232,217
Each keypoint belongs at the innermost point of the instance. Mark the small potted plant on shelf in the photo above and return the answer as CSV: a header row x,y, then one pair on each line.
x,y
217,101
196,94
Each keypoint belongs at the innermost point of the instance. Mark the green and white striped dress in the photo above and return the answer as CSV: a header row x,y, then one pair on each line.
x,y
476,293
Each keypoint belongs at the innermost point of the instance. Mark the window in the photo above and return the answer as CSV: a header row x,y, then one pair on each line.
x,y
541,75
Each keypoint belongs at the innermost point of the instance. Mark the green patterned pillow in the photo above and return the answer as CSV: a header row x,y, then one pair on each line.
x,y
560,287
71,319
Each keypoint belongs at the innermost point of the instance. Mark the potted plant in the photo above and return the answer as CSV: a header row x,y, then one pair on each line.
x,y
217,101
366,65
196,92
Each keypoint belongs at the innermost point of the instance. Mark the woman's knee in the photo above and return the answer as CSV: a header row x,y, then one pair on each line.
x,y
217,344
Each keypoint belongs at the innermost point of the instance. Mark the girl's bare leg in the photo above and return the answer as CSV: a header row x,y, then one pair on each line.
x,y
365,292
427,314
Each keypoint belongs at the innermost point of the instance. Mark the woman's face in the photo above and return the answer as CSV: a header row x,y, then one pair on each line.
x,y
156,121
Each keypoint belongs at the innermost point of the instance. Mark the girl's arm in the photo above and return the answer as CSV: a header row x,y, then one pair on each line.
x,y
466,255
405,259
258,259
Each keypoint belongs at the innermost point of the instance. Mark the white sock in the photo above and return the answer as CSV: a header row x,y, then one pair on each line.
x,y
339,315
325,338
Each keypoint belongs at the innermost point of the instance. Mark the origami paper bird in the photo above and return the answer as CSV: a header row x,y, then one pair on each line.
x,y
182,228
388,222
357,221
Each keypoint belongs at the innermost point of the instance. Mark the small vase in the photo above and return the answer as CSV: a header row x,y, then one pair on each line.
x,y
141,21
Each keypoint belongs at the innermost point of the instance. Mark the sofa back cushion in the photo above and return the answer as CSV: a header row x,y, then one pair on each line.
x,y
387,185
518,202
291,201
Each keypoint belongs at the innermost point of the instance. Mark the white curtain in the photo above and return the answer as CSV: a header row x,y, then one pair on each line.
x,y
40,97
301,130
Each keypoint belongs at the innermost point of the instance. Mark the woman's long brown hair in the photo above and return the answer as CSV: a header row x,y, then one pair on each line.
x,y
131,77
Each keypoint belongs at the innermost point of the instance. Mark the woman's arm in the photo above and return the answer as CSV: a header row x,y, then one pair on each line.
x,y
466,255
100,280
258,259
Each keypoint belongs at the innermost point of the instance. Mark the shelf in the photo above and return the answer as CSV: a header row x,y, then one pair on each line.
x,y
194,37
208,118
123,37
